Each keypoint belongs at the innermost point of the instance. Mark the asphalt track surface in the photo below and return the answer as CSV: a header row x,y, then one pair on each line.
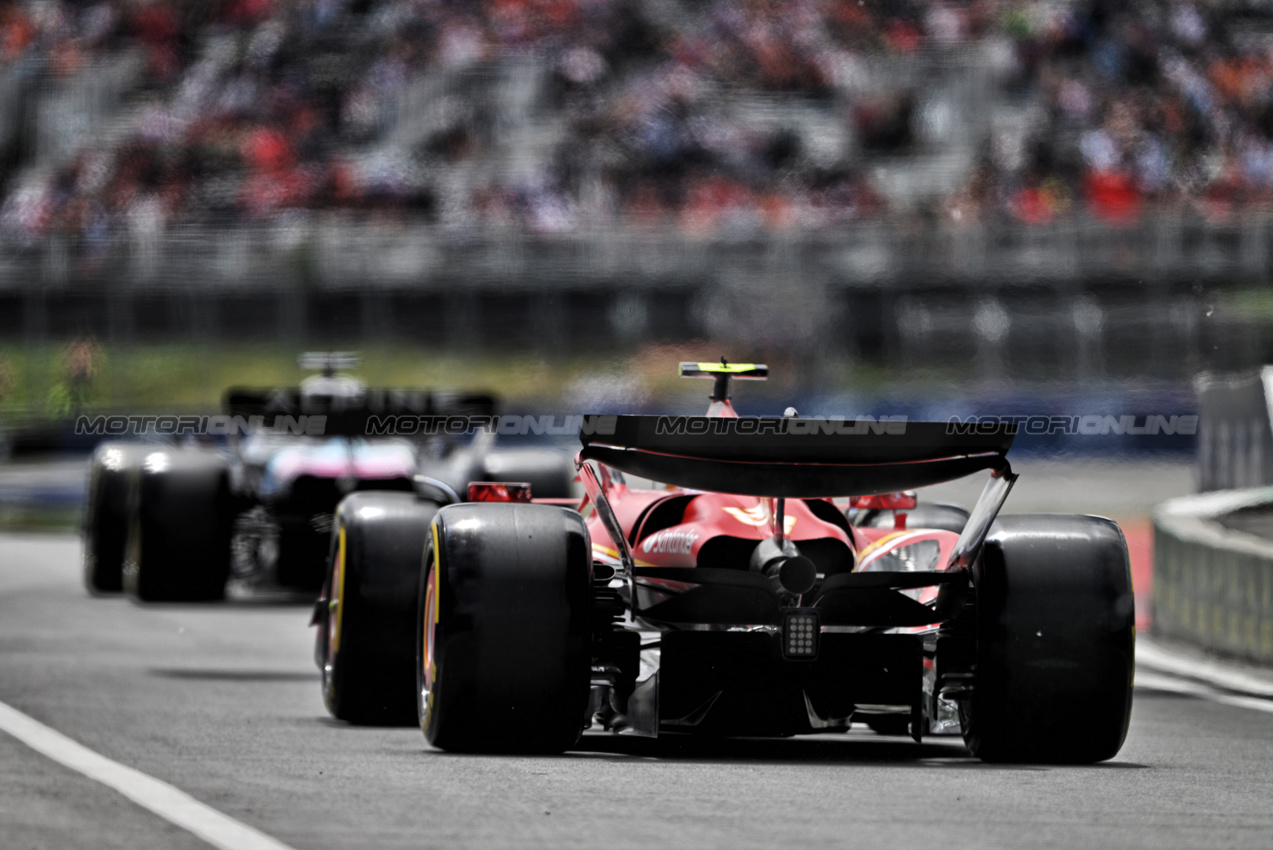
x,y
223,703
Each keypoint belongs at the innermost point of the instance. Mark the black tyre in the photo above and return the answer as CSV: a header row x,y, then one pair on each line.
x,y
179,538
505,629
367,633
106,518
1055,642
549,472
924,515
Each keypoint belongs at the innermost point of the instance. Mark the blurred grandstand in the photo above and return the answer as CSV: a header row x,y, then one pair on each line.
x,y
553,115
677,145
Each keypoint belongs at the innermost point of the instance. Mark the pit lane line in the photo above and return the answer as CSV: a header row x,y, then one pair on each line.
x,y
1160,682
168,802
1196,666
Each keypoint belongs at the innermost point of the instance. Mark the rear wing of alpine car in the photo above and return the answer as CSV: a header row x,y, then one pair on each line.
x,y
371,412
796,458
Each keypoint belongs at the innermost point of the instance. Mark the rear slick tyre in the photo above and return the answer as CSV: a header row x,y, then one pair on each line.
x,y
1055,642
179,540
368,637
106,515
505,629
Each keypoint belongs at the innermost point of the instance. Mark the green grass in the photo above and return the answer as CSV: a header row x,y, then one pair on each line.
x,y
1255,305
40,519
38,382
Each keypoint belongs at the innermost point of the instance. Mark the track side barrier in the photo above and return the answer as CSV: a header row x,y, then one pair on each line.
x,y
1213,586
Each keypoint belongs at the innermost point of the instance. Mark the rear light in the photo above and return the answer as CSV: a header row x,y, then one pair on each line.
x,y
499,491
801,632
885,501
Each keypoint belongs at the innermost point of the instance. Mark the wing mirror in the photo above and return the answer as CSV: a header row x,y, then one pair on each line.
x,y
427,487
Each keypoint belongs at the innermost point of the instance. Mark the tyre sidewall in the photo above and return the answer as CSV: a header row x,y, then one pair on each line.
x,y
106,515
1055,636
511,647
369,669
181,518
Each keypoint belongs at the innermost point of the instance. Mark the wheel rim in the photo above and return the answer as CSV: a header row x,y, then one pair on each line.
x,y
430,627
428,631
334,606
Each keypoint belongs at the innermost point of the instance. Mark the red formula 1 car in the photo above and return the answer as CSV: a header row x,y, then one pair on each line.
x,y
745,600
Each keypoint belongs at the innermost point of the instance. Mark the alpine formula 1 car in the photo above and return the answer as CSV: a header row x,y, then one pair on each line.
x,y
171,521
742,599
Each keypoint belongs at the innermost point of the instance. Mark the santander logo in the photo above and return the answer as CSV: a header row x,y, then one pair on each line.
x,y
670,542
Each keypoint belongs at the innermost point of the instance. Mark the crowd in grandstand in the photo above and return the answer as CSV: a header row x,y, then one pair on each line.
x,y
1145,104
246,109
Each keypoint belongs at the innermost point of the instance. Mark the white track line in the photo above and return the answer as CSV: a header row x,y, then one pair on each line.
x,y
171,804
1160,682
1219,674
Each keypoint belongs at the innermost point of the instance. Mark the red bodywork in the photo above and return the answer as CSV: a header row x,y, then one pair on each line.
x,y
709,516
671,526
706,516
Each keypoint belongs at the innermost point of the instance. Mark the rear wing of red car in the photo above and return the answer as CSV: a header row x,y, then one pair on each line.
x,y
795,458
801,458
